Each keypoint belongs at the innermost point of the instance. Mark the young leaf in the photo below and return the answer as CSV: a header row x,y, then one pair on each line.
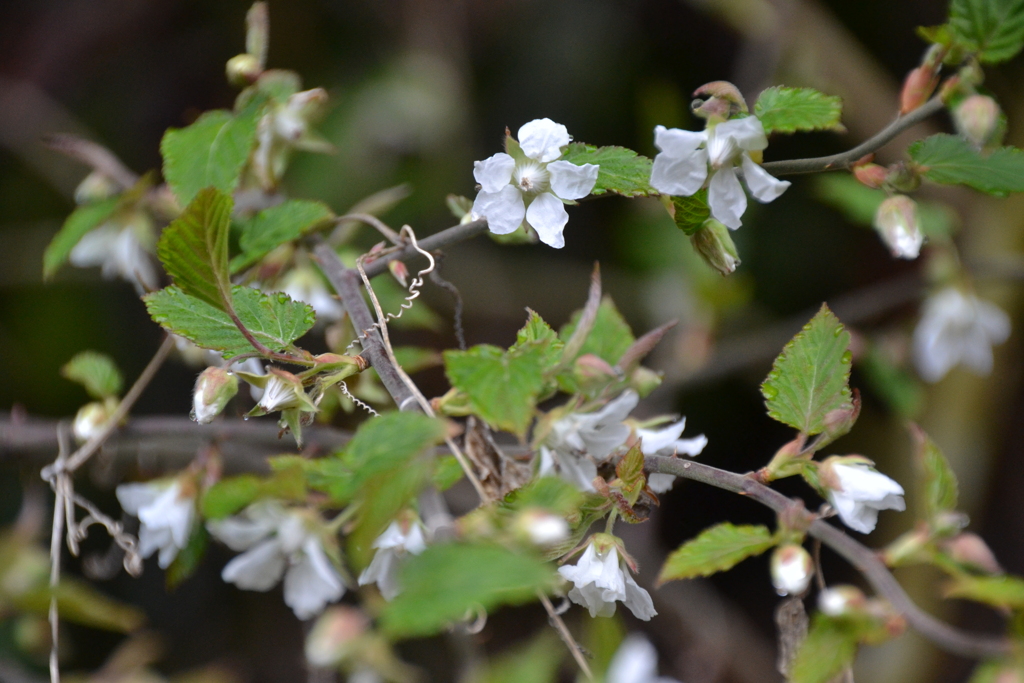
x,y
610,336
447,472
380,498
273,319
502,386
938,479
187,560
448,581
788,110
1006,592
537,333
228,496
950,160
78,224
194,248
550,493
810,378
690,213
272,227
828,649
716,549
992,28
621,171
96,372
211,152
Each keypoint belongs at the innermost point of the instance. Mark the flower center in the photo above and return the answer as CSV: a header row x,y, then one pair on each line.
x,y
531,177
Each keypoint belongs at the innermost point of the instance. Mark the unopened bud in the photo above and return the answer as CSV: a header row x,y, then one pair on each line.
x,y
897,224
590,369
840,421
977,119
970,549
644,380
214,388
91,419
243,69
792,569
541,528
335,635
903,178
841,601
400,272
714,244
908,548
918,87
95,187
949,523
725,101
872,175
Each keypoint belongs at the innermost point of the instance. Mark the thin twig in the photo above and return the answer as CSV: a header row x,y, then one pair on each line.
x,y
842,161
56,538
862,558
563,631
376,223
440,240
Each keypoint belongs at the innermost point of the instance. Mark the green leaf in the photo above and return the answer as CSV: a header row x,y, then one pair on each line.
x,y
81,221
690,213
609,337
950,160
938,480
272,227
96,372
998,591
194,248
187,561
549,493
992,28
716,549
621,171
788,110
828,649
380,498
447,472
538,662
80,603
502,387
537,333
273,319
228,496
211,152
811,376
448,582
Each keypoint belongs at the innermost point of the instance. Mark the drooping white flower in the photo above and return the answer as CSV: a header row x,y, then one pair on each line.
x,y
578,441
857,492
303,284
166,513
682,166
214,388
280,542
117,247
286,127
532,185
601,581
636,661
666,441
792,569
897,223
392,546
957,328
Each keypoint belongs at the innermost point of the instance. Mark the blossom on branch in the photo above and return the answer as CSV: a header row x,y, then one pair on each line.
x,y
528,183
957,328
280,542
688,159
636,661
666,441
857,491
166,511
601,581
397,541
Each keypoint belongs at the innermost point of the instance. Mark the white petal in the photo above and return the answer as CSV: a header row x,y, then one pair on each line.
x,y
312,582
763,185
504,210
152,539
993,320
547,215
542,139
383,570
95,247
619,408
258,569
863,483
679,176
638,600
726,197
678,143
653,441
747,134
569,181
636,661
133,497
660,483
240,533
494,172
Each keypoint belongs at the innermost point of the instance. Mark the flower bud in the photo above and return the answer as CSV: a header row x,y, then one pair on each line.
x,y
896,222
714,244
541,527
903,178
977,119
970,549
95,187
909,548
841,601
91,419
644,380
792,569
591,370
335,634
918,87
871,175
214,388
243,69
399,271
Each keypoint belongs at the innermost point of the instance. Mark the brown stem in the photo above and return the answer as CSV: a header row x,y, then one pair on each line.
x,y
862,558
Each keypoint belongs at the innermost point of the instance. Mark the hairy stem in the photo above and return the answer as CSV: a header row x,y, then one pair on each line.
x,y
861,557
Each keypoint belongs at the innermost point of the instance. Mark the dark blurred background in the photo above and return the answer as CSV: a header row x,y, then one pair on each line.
x,y
419,90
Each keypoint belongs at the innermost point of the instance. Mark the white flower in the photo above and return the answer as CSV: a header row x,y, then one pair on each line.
x,y
214,388
118,250
303,284
682,166
666,441
392,546
957,328
636,661
858,492
579,440
541,527
533,186
792,569
600,582
166,513
896,222
278,541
